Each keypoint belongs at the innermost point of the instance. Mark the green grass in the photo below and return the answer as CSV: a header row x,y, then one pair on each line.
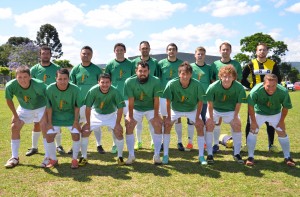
x,y
184,176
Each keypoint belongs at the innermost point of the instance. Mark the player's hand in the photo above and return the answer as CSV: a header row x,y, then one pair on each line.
x,y
254,127
236,124
130,123
15,120
281,125
118,128
86,128
157,123
76,125
210,125
168,123
199,123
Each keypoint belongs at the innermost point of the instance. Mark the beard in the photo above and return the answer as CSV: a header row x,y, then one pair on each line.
x,y
143,80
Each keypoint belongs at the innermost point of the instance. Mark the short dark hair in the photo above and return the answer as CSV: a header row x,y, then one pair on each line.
x,y
63,71
226,44
120,45
143,64
173,45
88,48
270,77
105,76
263,44
45,48
185,66
144,42
23,69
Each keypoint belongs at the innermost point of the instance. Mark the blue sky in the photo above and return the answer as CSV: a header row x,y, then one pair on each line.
x,y
189,24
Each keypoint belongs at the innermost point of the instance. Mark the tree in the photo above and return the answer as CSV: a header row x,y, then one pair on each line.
x,y
63,63
49,36
15,41
24,54
5,50
293,75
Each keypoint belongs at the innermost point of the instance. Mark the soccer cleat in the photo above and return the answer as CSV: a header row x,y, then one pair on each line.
x,y
273,149
210,159
290,162
60,150
82,161
114,149
180,147
121,161
165,159
138,145
100,149
157,160
45,162
130,160
70,152
74,164
216,148
244,148
202,160
32,151
189,147
52,163
250,161
238,158
12,162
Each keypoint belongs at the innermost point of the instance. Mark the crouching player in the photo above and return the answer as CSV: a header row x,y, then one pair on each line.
x,y
269,102
224,99
104,107
63,103
184,98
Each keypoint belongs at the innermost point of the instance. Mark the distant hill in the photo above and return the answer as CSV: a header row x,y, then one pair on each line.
x,y
296,65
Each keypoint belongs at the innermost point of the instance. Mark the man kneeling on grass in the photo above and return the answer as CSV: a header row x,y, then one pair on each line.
x,y
269,102
63,103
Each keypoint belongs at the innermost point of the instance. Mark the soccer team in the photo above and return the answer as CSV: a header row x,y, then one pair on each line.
x,y
87,98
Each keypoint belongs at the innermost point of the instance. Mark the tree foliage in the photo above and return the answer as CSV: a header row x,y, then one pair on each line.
x,y
15,41
5,50
49,36
293,75
4,71
63,63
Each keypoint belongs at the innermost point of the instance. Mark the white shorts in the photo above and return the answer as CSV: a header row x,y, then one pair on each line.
x,y
272,119
29,115
98,120
138,115
125,109
163,106
227,117
190,115
56,129
82,118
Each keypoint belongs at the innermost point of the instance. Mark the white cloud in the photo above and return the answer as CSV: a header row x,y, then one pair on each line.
x,y
299,27
224,8
4,39
275,33
293,55
121,15
278,3
121,35
5,13
260,25
294,8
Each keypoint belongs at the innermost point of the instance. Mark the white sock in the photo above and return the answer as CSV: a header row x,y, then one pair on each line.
x,y
58,139
285,145
217,132
139,128
98,136
200,140
208,140
35,138
120,147
178,129
75,147
130,144
52,150
237,142
157,143
46,148
251,143
190,133
15,145
84,146
166,138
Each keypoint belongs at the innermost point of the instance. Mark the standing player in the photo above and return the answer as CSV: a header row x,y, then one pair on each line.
x,y
31,97
184,98
255,71
63,104
120,69
143,92
85,75
269,101
202,72
224,99
46,72
144,48
225,51
104,107
168,70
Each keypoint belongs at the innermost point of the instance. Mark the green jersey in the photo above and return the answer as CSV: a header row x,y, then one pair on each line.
x,y
104,103
32,97
119,72
217,65
143,94
265,104
45,73
63,104
167,71
152,62
85,77
225,100
184,99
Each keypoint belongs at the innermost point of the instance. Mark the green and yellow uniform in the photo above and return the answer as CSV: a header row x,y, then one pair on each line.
x,y
47,74
217,65
152,62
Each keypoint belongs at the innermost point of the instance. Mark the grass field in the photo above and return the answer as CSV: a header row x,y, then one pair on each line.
x,y
184,176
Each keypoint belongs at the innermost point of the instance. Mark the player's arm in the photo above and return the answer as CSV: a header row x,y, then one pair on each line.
x,y
12,108
76,119
49,118
253,126
281,123
210,119
87,125
157,120
198,112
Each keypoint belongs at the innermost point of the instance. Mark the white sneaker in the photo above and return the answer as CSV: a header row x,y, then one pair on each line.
x,y
157,160
45,162
130,160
